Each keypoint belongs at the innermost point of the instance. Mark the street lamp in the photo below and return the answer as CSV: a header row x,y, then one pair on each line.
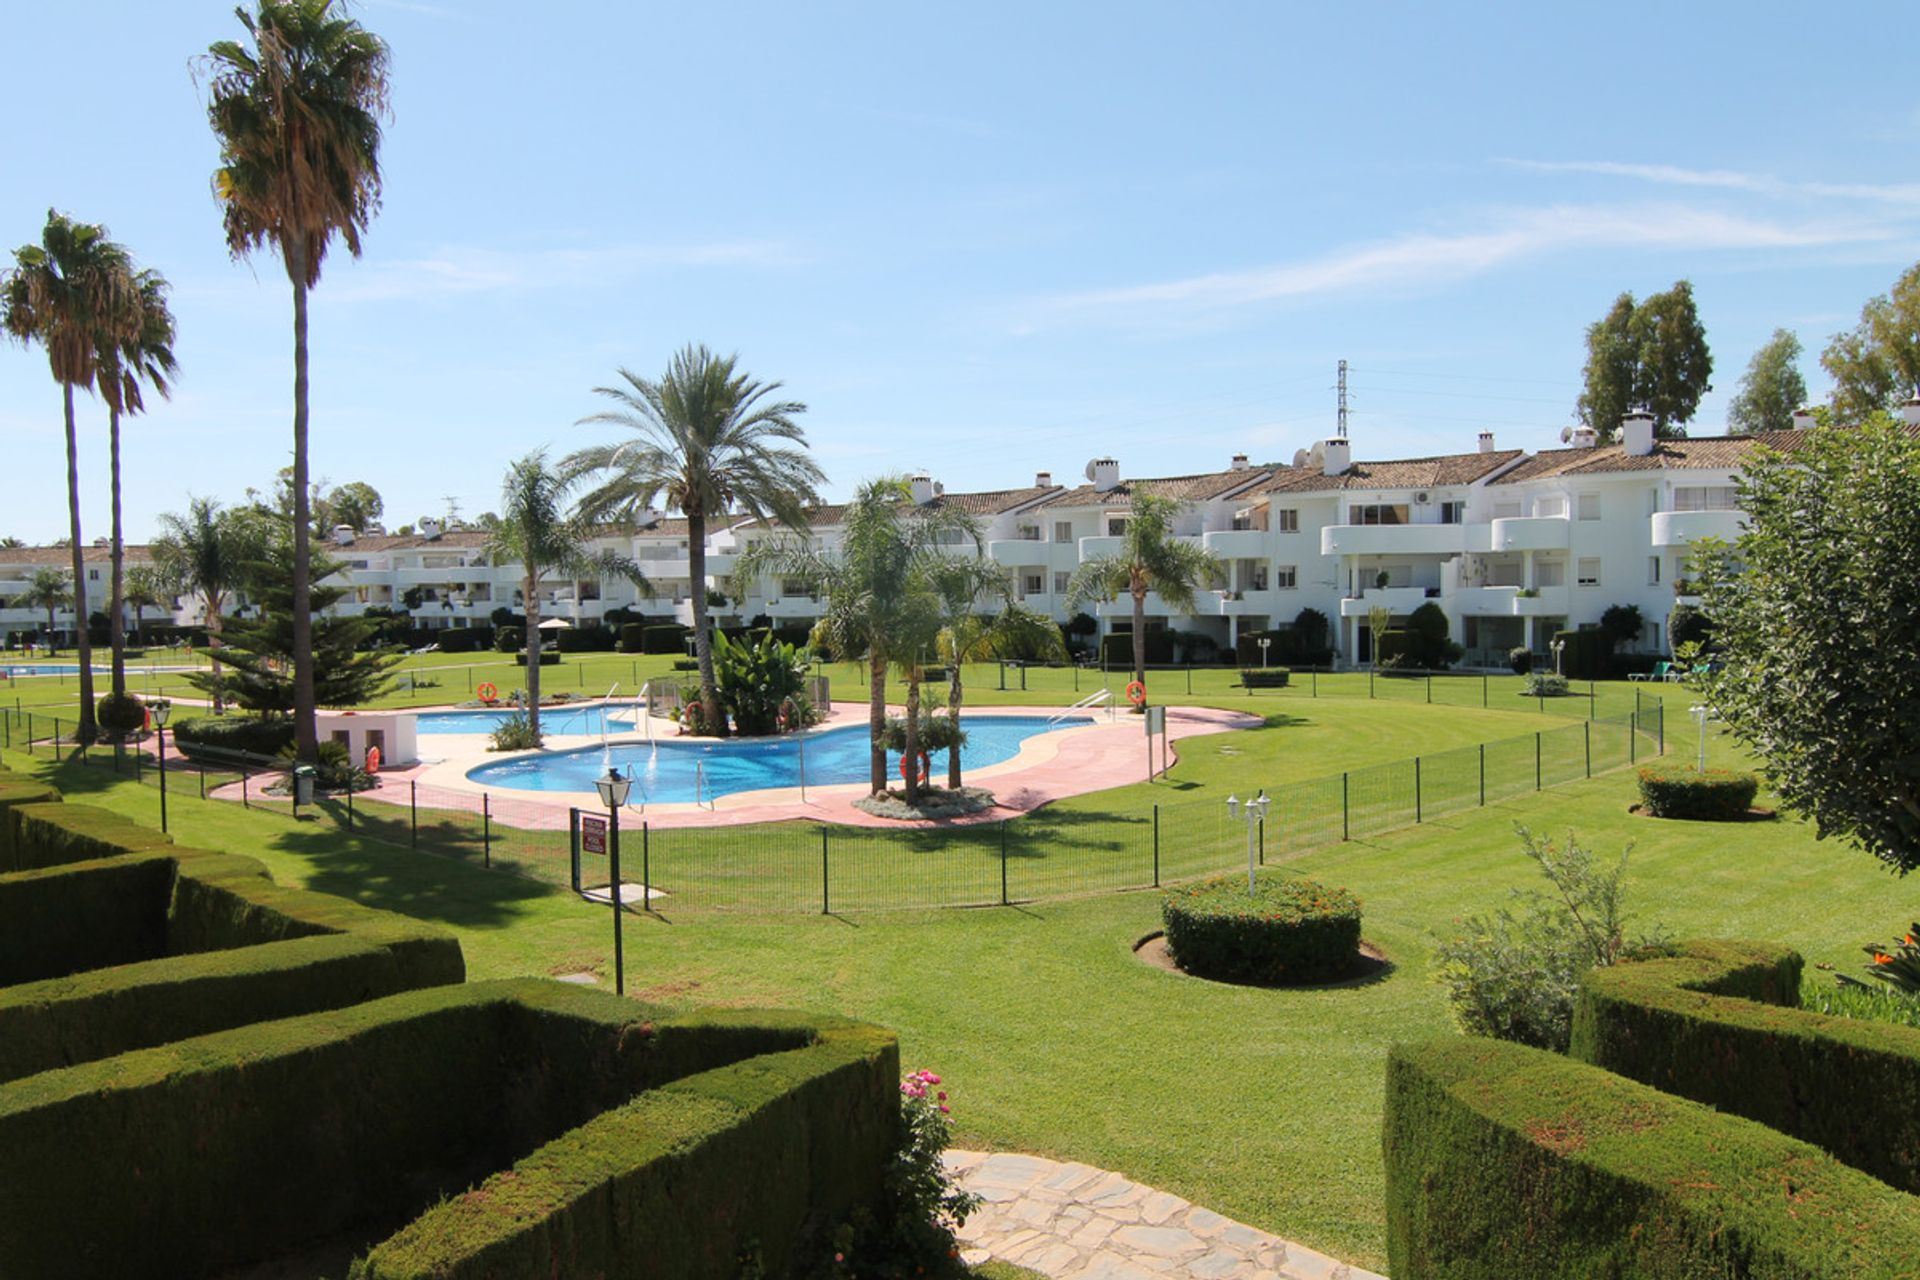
x,y
1253,813
1700,711
1557,646
160,711
613,793
1264,642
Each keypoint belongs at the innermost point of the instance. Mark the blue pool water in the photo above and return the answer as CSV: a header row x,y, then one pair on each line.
x,y
552,720
43,669
665,775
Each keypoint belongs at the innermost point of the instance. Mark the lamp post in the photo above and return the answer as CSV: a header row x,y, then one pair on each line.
x,y
1253,812
160,711
1264,642
1700,711
613,793
1557,646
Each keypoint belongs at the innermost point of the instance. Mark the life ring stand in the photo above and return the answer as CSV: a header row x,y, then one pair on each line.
x,y
1136,693
691,716
373,759
926,769
488,691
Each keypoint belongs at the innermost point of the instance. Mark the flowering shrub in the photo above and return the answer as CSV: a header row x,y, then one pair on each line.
x,y
1288,930
1898,966
913,1235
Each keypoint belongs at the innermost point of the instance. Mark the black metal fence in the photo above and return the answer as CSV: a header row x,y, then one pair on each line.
x,y
1053,852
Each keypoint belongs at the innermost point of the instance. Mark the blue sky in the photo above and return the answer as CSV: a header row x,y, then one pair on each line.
x,y
984,239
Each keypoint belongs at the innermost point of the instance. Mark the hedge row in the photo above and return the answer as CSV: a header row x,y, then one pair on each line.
x,y
52,834
253,1143
1504,1160
91,915
16,791
218,738
1265,677
1289,930
1719,1024
1680,791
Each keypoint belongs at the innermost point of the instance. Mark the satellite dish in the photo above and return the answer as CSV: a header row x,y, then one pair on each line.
x,y
1316,455
1420,498
1089,471
1566,435
1299,457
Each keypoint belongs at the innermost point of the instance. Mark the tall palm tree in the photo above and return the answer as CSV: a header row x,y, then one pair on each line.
x,y
298,118
881,605
141,356
71,293
147,588
536,532
967,635
1150,558
48,589
206,553
707,440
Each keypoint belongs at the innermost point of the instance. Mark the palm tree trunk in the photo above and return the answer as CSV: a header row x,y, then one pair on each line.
x,y
84,731
1140,642
306,740
877,722
117,595
910,757
953,714
530,588
710,717
215,601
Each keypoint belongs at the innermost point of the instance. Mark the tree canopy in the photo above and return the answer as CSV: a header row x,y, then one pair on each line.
x,y
1876,364
1771,389
1650,354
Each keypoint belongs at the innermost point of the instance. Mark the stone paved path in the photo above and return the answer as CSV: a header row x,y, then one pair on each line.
x,y
1076,1222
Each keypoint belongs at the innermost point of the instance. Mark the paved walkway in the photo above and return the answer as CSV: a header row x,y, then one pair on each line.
x,y
1076,1222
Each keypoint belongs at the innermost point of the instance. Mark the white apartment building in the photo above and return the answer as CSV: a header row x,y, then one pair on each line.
x,y
19,564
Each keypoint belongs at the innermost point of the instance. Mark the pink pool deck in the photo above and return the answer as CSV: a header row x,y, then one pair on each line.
x,y
1052,766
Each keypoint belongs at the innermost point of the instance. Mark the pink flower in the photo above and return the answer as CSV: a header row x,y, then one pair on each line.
x,y
945,1110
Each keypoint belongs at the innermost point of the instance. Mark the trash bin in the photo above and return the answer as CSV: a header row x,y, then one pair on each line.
x,y
303,776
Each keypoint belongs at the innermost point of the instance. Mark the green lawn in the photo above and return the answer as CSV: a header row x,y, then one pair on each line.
x,y
1264,1105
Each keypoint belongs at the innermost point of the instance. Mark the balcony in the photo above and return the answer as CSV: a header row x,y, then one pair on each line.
x,y
1399,600
1242,604
1392,539
1530,533
1233,544
1093,547
1546,602
719,563
1017,553
1483,602
1678,528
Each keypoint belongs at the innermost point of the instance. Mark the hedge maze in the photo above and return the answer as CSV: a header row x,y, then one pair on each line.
x,y
202,1071
1701,1125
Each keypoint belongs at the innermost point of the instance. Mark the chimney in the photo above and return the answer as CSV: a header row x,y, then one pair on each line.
x,y
1104,474
1803,419
1636,433
922,485
429,528
1486,442
1336,455
1239,462
343,535
1043,479
1582,437
1910,411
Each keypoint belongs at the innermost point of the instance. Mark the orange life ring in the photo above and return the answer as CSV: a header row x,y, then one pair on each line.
x,y
488,691
373,759
1136,692
926,769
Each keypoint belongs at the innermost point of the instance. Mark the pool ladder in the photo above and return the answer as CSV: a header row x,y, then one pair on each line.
x,y
1098,698
700,784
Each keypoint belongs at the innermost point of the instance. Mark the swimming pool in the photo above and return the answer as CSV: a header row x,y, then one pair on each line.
x,y
667,774
552,720
43,669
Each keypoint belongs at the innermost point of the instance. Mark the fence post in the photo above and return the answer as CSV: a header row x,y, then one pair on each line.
x,y
573,845
203,782
1633,730
1346,823
1483,775
1661,724
1588,726
1592,704
349,804
1536,761
1418,815
413,815
29,733
1485,680
1315,676
1156,846
826,902
646,865
1189,681
486,829
244,802
1369,679
1429,688
1003,862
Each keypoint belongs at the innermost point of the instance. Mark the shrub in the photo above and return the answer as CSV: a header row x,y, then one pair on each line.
x,y
333,767
548,658
668,638
216,738
15,792
1857,1000
1687,625
1513,975
55,834
1897,966
510,639
590,638
1264,677
1621,624
121,715
1520,658
1677,791
464,639
1584,653
515,733
1290,930
1430,643
1116,649
633,637
1545,684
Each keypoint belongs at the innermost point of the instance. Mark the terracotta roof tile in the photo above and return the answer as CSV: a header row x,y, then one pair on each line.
x,y
1703,453
1402,473
1196,488
62,557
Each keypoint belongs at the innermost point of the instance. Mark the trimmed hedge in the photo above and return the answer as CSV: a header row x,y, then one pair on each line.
x,y
1718,1023
1505,1160
53,834
221,736
62,920
633,637
665,638
1264,677
1116,649
745,1127
1677,791
1290,930
548,658
510,639
1587,653
14,792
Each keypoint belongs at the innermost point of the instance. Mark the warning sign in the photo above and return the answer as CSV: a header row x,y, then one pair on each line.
x,y
593,835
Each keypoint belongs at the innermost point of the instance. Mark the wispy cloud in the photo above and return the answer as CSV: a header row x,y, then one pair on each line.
x,y
1426,259
1900,193
465,270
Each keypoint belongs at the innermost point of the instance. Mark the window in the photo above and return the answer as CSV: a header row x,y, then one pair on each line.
x,y
1060,579
1286,577
1589,506
1453,512
1063,531
1549,573
795,587
93,575
1550,505
1028,533
1588,572
1706,497
1253,575
1116,526
1653,633
1378,513
1289,519
1653,571
1031,584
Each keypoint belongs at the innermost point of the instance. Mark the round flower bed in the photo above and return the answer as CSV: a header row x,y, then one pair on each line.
x,y
1717,795
1289,930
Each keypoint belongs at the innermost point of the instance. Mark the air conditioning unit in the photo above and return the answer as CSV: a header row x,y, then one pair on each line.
x,y
1420,498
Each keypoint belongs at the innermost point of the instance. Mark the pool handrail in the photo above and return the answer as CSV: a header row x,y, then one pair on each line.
x,y
1095,699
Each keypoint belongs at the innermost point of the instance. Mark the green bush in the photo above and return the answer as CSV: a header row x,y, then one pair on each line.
x,y
1585,653
1506,1160
1290,930
693,1133
52,835
1520,659
1719,1023
548,658
221,738
1677,791
510,639
1264,677
89,915
515,733
16,791
464,639
121,716
1545,684
1116,649
633,637
666,638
